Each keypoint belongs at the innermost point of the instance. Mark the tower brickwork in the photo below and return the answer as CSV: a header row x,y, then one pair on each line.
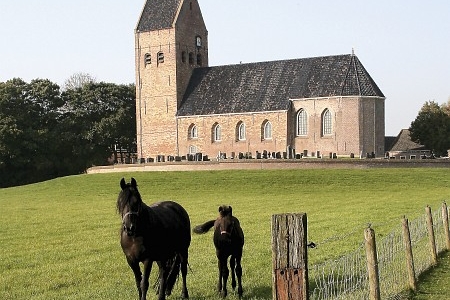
x,y
166,53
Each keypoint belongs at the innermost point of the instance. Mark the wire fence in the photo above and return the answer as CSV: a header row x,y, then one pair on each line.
x,y
347,277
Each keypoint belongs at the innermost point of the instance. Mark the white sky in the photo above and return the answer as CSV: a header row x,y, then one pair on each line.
x,y
404,45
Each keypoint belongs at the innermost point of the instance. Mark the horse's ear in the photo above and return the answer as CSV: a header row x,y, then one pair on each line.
x,y
220,208
133,182
231,210
122,183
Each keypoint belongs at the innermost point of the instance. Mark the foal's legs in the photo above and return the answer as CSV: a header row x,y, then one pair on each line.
x,y
232,267
223,276
239,273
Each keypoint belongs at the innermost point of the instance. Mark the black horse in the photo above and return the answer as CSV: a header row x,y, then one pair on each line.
x,y
229,241
161,233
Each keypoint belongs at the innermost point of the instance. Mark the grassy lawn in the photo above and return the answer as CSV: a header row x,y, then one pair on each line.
x,y
60,239
435,283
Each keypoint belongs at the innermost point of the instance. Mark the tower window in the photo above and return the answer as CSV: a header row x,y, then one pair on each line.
x,y
160,57
199,59
147,59
183,56
191,58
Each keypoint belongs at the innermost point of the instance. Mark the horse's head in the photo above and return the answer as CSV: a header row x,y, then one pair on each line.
x,y
225,222
129,204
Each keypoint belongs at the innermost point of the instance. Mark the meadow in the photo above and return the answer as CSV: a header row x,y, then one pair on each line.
x,y
59,239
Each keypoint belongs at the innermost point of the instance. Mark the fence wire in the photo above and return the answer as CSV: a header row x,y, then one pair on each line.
x,y
343,278
347,277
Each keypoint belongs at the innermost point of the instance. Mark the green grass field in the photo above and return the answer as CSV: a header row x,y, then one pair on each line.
x,y
60,239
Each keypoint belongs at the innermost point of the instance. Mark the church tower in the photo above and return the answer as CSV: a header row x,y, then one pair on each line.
x,y
170,41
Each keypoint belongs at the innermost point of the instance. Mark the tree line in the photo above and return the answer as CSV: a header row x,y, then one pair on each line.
x,y
47,131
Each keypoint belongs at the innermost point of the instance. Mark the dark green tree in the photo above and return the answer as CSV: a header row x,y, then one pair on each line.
x,y
431,128
98,117
28,116
46,134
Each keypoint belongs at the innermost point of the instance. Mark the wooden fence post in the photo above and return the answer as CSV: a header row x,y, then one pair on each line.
x,y
289,257
372,264
409,255
431,239
446,228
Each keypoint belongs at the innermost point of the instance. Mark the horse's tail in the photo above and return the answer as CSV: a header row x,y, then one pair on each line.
x,y
203,228
174,270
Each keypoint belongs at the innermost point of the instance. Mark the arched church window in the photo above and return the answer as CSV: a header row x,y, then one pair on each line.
x,y
191,58
266,130
183,56
193,131
327,122
240,131
217,133
199,59
302,123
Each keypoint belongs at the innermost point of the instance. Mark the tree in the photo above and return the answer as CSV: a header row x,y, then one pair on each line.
x,y
78,80
99,116
45,134
431,128
28,119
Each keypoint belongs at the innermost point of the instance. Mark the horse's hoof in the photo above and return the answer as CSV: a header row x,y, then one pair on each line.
x,y
223,294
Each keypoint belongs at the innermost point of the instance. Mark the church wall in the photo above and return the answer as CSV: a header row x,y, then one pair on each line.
x,y
372,126
229,142
344,139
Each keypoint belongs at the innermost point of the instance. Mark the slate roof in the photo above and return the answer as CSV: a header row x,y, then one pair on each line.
x,y
157,14
403,142
268,86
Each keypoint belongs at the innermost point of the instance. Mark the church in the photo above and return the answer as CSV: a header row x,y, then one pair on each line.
x,y
306,107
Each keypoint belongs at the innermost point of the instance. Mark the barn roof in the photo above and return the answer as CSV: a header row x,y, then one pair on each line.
x,y
268,86
158,14
403,142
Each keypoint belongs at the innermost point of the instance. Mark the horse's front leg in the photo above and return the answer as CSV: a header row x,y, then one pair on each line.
x,y
144,282
134,265
223,277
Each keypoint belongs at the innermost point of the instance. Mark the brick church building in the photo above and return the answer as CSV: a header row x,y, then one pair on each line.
x,y
289,107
